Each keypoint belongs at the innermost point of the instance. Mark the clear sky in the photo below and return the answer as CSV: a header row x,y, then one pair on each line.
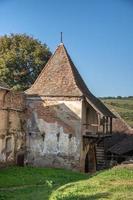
x,y
98,35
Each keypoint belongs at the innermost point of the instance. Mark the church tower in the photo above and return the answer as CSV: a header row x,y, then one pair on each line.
x,y
64,117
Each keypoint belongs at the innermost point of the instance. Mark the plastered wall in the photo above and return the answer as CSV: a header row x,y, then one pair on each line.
x,y
54,132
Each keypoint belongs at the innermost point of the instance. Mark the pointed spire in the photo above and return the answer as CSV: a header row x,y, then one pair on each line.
x,y
57,77
61,38
60,78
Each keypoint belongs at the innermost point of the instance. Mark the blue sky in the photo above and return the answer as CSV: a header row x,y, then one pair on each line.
x,y
98,35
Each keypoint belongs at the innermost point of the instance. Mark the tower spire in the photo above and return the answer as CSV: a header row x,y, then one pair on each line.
x,y
61,38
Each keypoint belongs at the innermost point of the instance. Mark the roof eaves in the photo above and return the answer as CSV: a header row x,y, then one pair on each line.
x,y
95,108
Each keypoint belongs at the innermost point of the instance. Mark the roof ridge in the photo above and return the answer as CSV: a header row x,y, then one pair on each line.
x,y
70,61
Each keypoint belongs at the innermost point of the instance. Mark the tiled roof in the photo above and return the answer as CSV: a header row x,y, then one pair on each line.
x,y
122,147
61,78
122,133
56,79
120,125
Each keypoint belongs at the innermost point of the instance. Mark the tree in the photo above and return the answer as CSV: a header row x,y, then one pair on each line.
x,y
119,97
21,59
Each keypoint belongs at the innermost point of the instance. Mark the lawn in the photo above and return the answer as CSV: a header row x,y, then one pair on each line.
x,y
123,106
58,184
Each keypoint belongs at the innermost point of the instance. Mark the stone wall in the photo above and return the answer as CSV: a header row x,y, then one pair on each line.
x,y
12,135
54,132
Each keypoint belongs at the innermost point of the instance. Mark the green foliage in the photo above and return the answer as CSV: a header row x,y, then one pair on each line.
x,y
118,97
21,60
58,184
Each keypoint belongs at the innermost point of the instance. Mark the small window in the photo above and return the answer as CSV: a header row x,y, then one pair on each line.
x,y
9,144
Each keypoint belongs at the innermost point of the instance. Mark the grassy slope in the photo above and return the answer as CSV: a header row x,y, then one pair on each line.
x,y
123,106
57,184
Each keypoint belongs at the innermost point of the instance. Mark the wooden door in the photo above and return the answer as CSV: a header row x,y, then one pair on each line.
x,y
90,160
20,160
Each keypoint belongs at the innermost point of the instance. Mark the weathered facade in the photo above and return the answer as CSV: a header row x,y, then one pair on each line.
x,y
65,122
59,123
12,135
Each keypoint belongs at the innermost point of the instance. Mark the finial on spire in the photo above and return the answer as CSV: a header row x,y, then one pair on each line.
x,y
61,40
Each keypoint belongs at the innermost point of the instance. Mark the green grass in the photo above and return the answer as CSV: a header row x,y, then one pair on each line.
x,y
34,183
57,184
123,106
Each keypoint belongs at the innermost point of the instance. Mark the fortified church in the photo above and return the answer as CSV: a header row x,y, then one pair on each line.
x,y
57,122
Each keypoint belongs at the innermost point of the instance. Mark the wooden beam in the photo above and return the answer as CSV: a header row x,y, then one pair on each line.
x,y
110,124
103,124
106,124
